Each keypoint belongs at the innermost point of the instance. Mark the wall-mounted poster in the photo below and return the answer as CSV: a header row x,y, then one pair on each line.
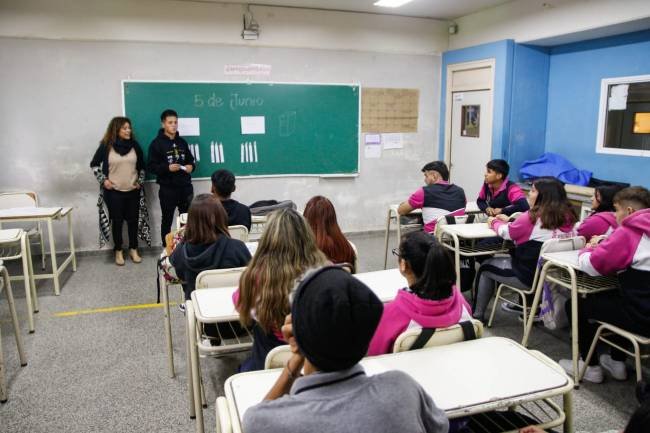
x,y
471,121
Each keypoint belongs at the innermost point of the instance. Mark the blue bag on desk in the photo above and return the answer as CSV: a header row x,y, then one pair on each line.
x,y
552,164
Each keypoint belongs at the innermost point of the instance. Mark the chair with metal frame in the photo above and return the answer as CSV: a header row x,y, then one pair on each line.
x,y
6,285
606,330
238,232
25,199
549,246
14,245
441,337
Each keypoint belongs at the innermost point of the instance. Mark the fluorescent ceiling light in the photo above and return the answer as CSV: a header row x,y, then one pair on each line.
x,y
391,3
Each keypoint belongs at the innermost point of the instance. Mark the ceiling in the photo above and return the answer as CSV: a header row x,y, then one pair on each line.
x,y
440,9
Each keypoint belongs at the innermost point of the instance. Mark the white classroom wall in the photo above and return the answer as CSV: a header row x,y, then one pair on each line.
x,y
532,20
61,63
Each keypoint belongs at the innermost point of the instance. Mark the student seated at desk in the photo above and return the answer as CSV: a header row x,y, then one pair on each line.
x,y
626,252
206,244
602,220
321,216
431,299
286,250
437,198
333,317
498,194
550,216
223,185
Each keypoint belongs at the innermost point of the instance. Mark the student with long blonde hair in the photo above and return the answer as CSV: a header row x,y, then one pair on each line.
x,y
286,250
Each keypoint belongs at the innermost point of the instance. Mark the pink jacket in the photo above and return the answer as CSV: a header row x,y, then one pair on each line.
x,y
601,223
523,230
628,246
408,307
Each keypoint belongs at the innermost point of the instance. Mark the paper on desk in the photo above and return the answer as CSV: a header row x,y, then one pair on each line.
x,y
189,126
392,141
372,151
253,125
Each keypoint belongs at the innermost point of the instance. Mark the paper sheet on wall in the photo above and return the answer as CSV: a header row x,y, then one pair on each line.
x,y
392,141
618,97
389,110
372,151
189,126
253,125
372,138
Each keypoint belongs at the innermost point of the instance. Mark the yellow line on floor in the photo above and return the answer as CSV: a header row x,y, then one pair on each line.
x,y
110,309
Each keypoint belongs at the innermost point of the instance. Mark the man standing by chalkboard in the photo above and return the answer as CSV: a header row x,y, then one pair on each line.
x,y
172,162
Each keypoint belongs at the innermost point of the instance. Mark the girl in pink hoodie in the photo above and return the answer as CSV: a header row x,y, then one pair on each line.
x,y
431,299
602,220
550,216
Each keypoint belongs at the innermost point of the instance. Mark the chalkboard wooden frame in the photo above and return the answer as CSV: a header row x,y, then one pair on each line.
x,y
352,169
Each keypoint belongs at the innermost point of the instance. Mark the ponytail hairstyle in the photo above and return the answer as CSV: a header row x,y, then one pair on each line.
x,y
321,216
112,131
552,206
431,263
606,195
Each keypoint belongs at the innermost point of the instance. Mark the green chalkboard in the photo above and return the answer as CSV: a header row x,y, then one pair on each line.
x,y
309,129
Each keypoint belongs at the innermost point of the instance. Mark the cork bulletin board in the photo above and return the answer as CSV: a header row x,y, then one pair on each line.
x,y
389,110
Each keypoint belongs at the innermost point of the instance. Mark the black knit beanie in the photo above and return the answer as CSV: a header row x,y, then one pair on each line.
x,y
334,317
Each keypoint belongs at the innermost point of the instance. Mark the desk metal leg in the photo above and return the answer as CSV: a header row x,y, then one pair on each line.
x,y
32,281
188,361
535,305
55,269
168,325
194,357
14,320
567,399
575,353
71,240
24,241
386,236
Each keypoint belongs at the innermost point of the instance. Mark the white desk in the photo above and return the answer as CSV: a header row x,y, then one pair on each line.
x,y
48,215
451,235
568,275
393,215
216,306
164,288
463,378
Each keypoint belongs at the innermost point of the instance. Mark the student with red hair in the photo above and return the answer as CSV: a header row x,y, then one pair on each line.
x,y
321,216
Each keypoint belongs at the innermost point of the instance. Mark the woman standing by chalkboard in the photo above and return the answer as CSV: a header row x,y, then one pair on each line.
x,y
118,165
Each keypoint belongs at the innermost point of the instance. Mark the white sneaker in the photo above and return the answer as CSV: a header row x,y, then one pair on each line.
x,y
615,368
593,374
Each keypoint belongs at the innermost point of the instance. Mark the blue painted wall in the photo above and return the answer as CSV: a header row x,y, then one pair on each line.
x,y
502,52
528,106
574,97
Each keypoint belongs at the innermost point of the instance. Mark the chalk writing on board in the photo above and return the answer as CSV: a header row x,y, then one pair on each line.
x,y
287,123
249,152
237,101
216,153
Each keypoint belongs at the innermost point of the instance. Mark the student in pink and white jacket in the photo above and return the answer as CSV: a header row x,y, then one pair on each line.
x,y
550,216
626,252
602,220
431,299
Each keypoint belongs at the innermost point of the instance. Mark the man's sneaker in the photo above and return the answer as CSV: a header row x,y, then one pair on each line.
x,y
511,308
181,307
615,368
593,374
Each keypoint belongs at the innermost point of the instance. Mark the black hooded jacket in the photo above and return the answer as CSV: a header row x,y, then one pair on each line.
x,y
164,151
189,260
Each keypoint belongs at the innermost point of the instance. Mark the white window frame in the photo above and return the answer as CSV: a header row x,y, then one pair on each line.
x,y
602,116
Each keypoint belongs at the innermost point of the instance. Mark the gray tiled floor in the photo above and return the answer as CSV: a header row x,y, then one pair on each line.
x,y
107,372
